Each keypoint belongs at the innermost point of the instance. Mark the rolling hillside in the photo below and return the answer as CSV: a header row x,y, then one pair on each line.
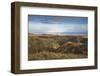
x,y
46,47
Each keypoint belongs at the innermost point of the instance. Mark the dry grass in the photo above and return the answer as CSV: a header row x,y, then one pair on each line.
x,y
56,47
45,55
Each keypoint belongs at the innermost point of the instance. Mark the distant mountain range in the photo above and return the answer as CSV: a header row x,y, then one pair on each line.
x,y
59,33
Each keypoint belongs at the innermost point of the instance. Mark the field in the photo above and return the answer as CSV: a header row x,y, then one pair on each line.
x,y
47,47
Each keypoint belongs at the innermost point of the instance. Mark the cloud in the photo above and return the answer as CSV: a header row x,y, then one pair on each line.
x,y
51,24
45,28
51,28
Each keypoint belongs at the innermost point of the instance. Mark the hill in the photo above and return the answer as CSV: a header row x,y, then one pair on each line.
x,y
44,47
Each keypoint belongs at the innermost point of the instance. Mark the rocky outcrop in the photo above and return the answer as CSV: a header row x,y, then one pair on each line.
x,y
72,47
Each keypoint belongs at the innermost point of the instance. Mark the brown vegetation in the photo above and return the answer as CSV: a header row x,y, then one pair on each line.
x,y
44,47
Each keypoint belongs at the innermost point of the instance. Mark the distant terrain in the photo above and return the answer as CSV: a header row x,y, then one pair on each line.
x,y
48,46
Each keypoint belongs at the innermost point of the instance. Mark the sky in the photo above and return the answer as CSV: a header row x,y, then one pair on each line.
x,y
53,24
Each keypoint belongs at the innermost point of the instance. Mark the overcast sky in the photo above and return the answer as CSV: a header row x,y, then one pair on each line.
x,y
51,24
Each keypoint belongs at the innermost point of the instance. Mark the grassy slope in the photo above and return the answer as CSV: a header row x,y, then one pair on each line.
x,y
45,55
56,47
